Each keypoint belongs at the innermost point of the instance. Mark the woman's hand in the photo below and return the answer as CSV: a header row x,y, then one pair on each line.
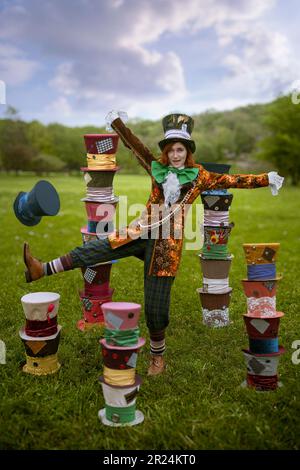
x,y
275,182
112,115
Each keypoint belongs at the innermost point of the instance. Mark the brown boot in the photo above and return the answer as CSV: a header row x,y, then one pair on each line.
x,y
157,365
34,266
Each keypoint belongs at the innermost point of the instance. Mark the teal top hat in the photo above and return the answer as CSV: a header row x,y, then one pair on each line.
x,y
41,200
178,128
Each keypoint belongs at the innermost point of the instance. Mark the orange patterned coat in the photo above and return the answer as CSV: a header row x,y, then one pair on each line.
x,y
167,250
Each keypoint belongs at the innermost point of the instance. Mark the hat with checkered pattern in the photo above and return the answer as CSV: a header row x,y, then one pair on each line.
x,y
101,143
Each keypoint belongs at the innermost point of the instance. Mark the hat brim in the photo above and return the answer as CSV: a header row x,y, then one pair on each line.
x,y
227,290
277,278
137,381
265,317
280,351
216,258
138,345
26,337
87,169
139,418
188,143
111,201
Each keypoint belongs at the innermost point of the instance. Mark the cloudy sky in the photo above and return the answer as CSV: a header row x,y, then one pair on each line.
x,y
71,61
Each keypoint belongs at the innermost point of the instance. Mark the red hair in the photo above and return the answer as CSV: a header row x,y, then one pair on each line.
x,y
164,159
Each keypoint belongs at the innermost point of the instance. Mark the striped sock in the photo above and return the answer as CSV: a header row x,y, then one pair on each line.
x,y
64,263
157,342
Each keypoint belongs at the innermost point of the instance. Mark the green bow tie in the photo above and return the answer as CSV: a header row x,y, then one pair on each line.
x,y
185,175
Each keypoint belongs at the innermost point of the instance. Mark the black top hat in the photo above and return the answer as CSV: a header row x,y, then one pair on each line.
x,y
216,167
99,178
178,128
41,200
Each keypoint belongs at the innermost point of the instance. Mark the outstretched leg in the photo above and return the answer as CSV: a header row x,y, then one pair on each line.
x,y
91,253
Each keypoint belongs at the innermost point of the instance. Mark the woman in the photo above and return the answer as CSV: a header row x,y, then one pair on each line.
x,y
157,235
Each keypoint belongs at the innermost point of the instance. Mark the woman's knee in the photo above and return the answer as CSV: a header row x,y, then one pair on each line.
x,y
157,324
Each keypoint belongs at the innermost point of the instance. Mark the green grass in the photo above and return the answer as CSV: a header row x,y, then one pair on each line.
x,y
198,403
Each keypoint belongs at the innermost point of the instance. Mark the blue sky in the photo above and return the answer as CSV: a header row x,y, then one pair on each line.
x,y
73,61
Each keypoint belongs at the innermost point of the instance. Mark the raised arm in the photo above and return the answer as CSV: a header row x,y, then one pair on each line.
x,y
142,153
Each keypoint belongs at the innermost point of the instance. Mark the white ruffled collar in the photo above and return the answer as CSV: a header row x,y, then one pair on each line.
x,y
171,187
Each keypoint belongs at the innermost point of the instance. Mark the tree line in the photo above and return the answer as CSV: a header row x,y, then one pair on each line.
x,y
255,137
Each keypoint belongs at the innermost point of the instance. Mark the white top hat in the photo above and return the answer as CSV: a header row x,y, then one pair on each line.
x,y
262,364
40,306
121,397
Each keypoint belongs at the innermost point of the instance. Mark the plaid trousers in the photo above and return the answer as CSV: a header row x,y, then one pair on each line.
x,y
157,289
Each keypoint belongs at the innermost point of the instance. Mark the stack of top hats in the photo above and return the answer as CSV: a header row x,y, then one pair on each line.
x,y
214,257
120,347
100,204
41,334
262,318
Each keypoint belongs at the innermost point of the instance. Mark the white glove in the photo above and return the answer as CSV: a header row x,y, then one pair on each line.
x,y
112,115
275,182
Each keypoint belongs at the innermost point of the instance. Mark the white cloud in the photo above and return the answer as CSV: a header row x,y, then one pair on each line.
x,y
264,66
64,81
59,108
109,53
15,68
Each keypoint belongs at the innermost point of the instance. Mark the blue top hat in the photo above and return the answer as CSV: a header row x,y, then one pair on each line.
x,y
41,200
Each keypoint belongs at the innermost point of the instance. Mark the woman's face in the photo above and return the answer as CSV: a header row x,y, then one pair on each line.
x,y
177,155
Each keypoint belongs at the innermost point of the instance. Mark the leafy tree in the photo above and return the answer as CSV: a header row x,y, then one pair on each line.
x,y
282,144
15,148
45,163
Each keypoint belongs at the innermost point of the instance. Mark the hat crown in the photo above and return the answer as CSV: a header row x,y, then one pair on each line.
x,y
101,143
178,121
121,315
40,305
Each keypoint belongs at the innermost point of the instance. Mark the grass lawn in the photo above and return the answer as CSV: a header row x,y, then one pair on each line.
x,y
198,403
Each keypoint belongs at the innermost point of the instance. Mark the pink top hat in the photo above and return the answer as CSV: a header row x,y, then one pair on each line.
x,y
97,211
121,315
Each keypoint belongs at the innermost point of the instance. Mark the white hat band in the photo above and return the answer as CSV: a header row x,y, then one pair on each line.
x,y
177,133
220,282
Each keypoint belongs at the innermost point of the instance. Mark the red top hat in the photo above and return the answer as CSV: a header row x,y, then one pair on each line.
x,y
260,289
117,357
262,327
101,143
